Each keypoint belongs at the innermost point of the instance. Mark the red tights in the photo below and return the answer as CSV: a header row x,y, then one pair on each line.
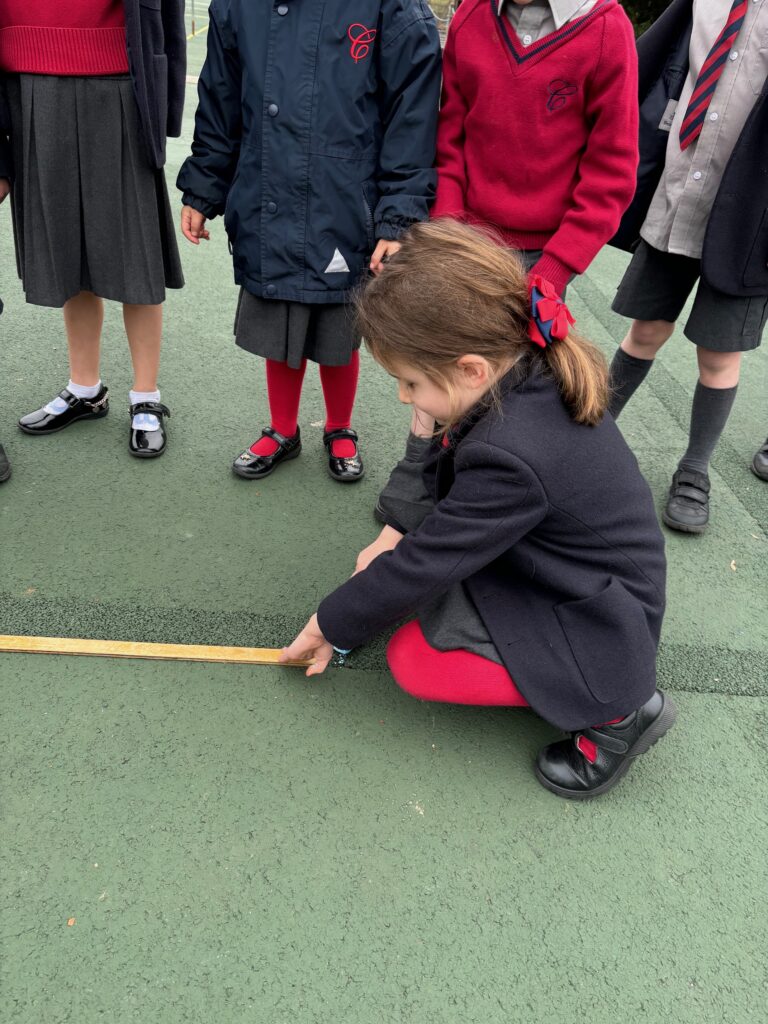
x,y
456,677
451,677
284,384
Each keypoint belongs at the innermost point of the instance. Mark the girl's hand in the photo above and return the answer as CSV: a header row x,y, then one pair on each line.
x,y
387,540
381,254
193,225
310,643
5,188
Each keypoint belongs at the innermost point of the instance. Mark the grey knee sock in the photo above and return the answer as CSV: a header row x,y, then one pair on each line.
x,y
709,414
627,374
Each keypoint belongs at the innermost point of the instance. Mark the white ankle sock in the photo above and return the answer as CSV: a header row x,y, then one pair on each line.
x,y
144,420
58,405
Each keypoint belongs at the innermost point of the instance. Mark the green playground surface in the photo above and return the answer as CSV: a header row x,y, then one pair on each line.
x,y
223,844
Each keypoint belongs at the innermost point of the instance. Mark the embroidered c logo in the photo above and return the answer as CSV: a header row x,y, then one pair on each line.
x,y
362,39
559,91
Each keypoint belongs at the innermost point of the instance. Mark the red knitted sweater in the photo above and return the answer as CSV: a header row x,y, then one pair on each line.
x,y
540,141
53,37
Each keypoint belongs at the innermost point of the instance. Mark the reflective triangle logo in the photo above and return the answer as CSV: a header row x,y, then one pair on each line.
x,y
338,264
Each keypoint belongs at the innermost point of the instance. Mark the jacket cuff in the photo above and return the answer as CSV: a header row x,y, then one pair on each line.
x,y
552,269
392,230
208,210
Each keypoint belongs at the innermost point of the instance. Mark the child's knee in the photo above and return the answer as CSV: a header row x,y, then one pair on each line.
x,y
650,334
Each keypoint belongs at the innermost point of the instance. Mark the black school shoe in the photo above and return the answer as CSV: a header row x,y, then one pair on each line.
x,y
687,506
346,471
254,467
564,768
760,462
5,466
42,422
148,444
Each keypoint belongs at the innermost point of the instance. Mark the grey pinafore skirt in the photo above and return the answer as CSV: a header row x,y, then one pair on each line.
x,y
89,212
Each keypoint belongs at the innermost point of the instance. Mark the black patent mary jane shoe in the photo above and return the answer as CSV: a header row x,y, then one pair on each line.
x,y
148,444
593,760
255,467
42,422
349,470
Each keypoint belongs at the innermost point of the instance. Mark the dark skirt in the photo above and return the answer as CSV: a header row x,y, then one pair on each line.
x,y
288,332
89,213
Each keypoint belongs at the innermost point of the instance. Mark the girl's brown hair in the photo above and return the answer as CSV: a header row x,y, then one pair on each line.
x,y
453,290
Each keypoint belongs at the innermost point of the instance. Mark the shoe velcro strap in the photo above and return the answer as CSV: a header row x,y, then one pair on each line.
x,y
342,434
691,493
153,408
688,477
606,741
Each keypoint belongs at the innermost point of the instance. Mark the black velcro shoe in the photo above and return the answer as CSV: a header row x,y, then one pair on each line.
x,y
254,467
346,471
760,462
687,506
5,466
593,760
42,422
148,444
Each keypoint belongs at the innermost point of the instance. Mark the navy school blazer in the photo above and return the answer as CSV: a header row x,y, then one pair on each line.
x,y
552,529
314,137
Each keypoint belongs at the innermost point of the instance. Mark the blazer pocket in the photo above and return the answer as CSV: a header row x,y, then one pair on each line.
x,y
609,638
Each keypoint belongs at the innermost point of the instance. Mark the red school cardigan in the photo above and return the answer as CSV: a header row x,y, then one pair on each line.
x,y
53,37
541,142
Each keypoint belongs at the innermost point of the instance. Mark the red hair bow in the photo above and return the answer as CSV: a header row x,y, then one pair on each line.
x,y
550,317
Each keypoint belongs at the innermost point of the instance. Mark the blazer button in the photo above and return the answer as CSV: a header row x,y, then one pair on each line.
x,y
282,10
273,110
271,289
271,207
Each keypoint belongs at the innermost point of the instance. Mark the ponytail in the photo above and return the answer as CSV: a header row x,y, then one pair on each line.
x,y
581,373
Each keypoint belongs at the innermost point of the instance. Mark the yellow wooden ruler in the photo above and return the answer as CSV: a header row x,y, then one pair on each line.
x,y
126,649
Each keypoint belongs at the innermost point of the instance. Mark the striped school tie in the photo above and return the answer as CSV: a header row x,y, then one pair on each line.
x,y
709,75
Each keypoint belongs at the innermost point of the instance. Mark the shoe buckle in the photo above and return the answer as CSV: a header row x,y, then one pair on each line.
x,y
97,405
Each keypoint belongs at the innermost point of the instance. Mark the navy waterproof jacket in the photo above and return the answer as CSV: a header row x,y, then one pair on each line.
x,y
314,136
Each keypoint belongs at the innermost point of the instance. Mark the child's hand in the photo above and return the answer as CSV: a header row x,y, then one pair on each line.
x,y
382,253
5,188
310,643
193,225
387,540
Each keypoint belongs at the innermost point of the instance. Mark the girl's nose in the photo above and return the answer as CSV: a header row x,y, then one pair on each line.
x,y
403,396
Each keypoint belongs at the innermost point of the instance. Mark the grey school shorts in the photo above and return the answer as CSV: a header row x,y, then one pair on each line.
x,y
657,284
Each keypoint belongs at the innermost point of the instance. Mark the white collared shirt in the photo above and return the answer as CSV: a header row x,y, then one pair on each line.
x,y
539,18
678,215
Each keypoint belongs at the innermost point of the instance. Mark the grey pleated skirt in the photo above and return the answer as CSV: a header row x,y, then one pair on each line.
x,y
89,213
291,331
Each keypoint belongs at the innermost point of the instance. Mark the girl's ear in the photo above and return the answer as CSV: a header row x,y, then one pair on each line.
x,y
474,371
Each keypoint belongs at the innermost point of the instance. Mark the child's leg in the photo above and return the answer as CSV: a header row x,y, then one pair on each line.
x,y
144,330
284,390
339,391
712,403
633,360
83,319
451,677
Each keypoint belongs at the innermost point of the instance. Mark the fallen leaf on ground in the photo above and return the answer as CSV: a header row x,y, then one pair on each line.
x,y
70,922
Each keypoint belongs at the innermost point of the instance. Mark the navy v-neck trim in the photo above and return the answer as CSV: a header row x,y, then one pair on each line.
x,y
549,40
